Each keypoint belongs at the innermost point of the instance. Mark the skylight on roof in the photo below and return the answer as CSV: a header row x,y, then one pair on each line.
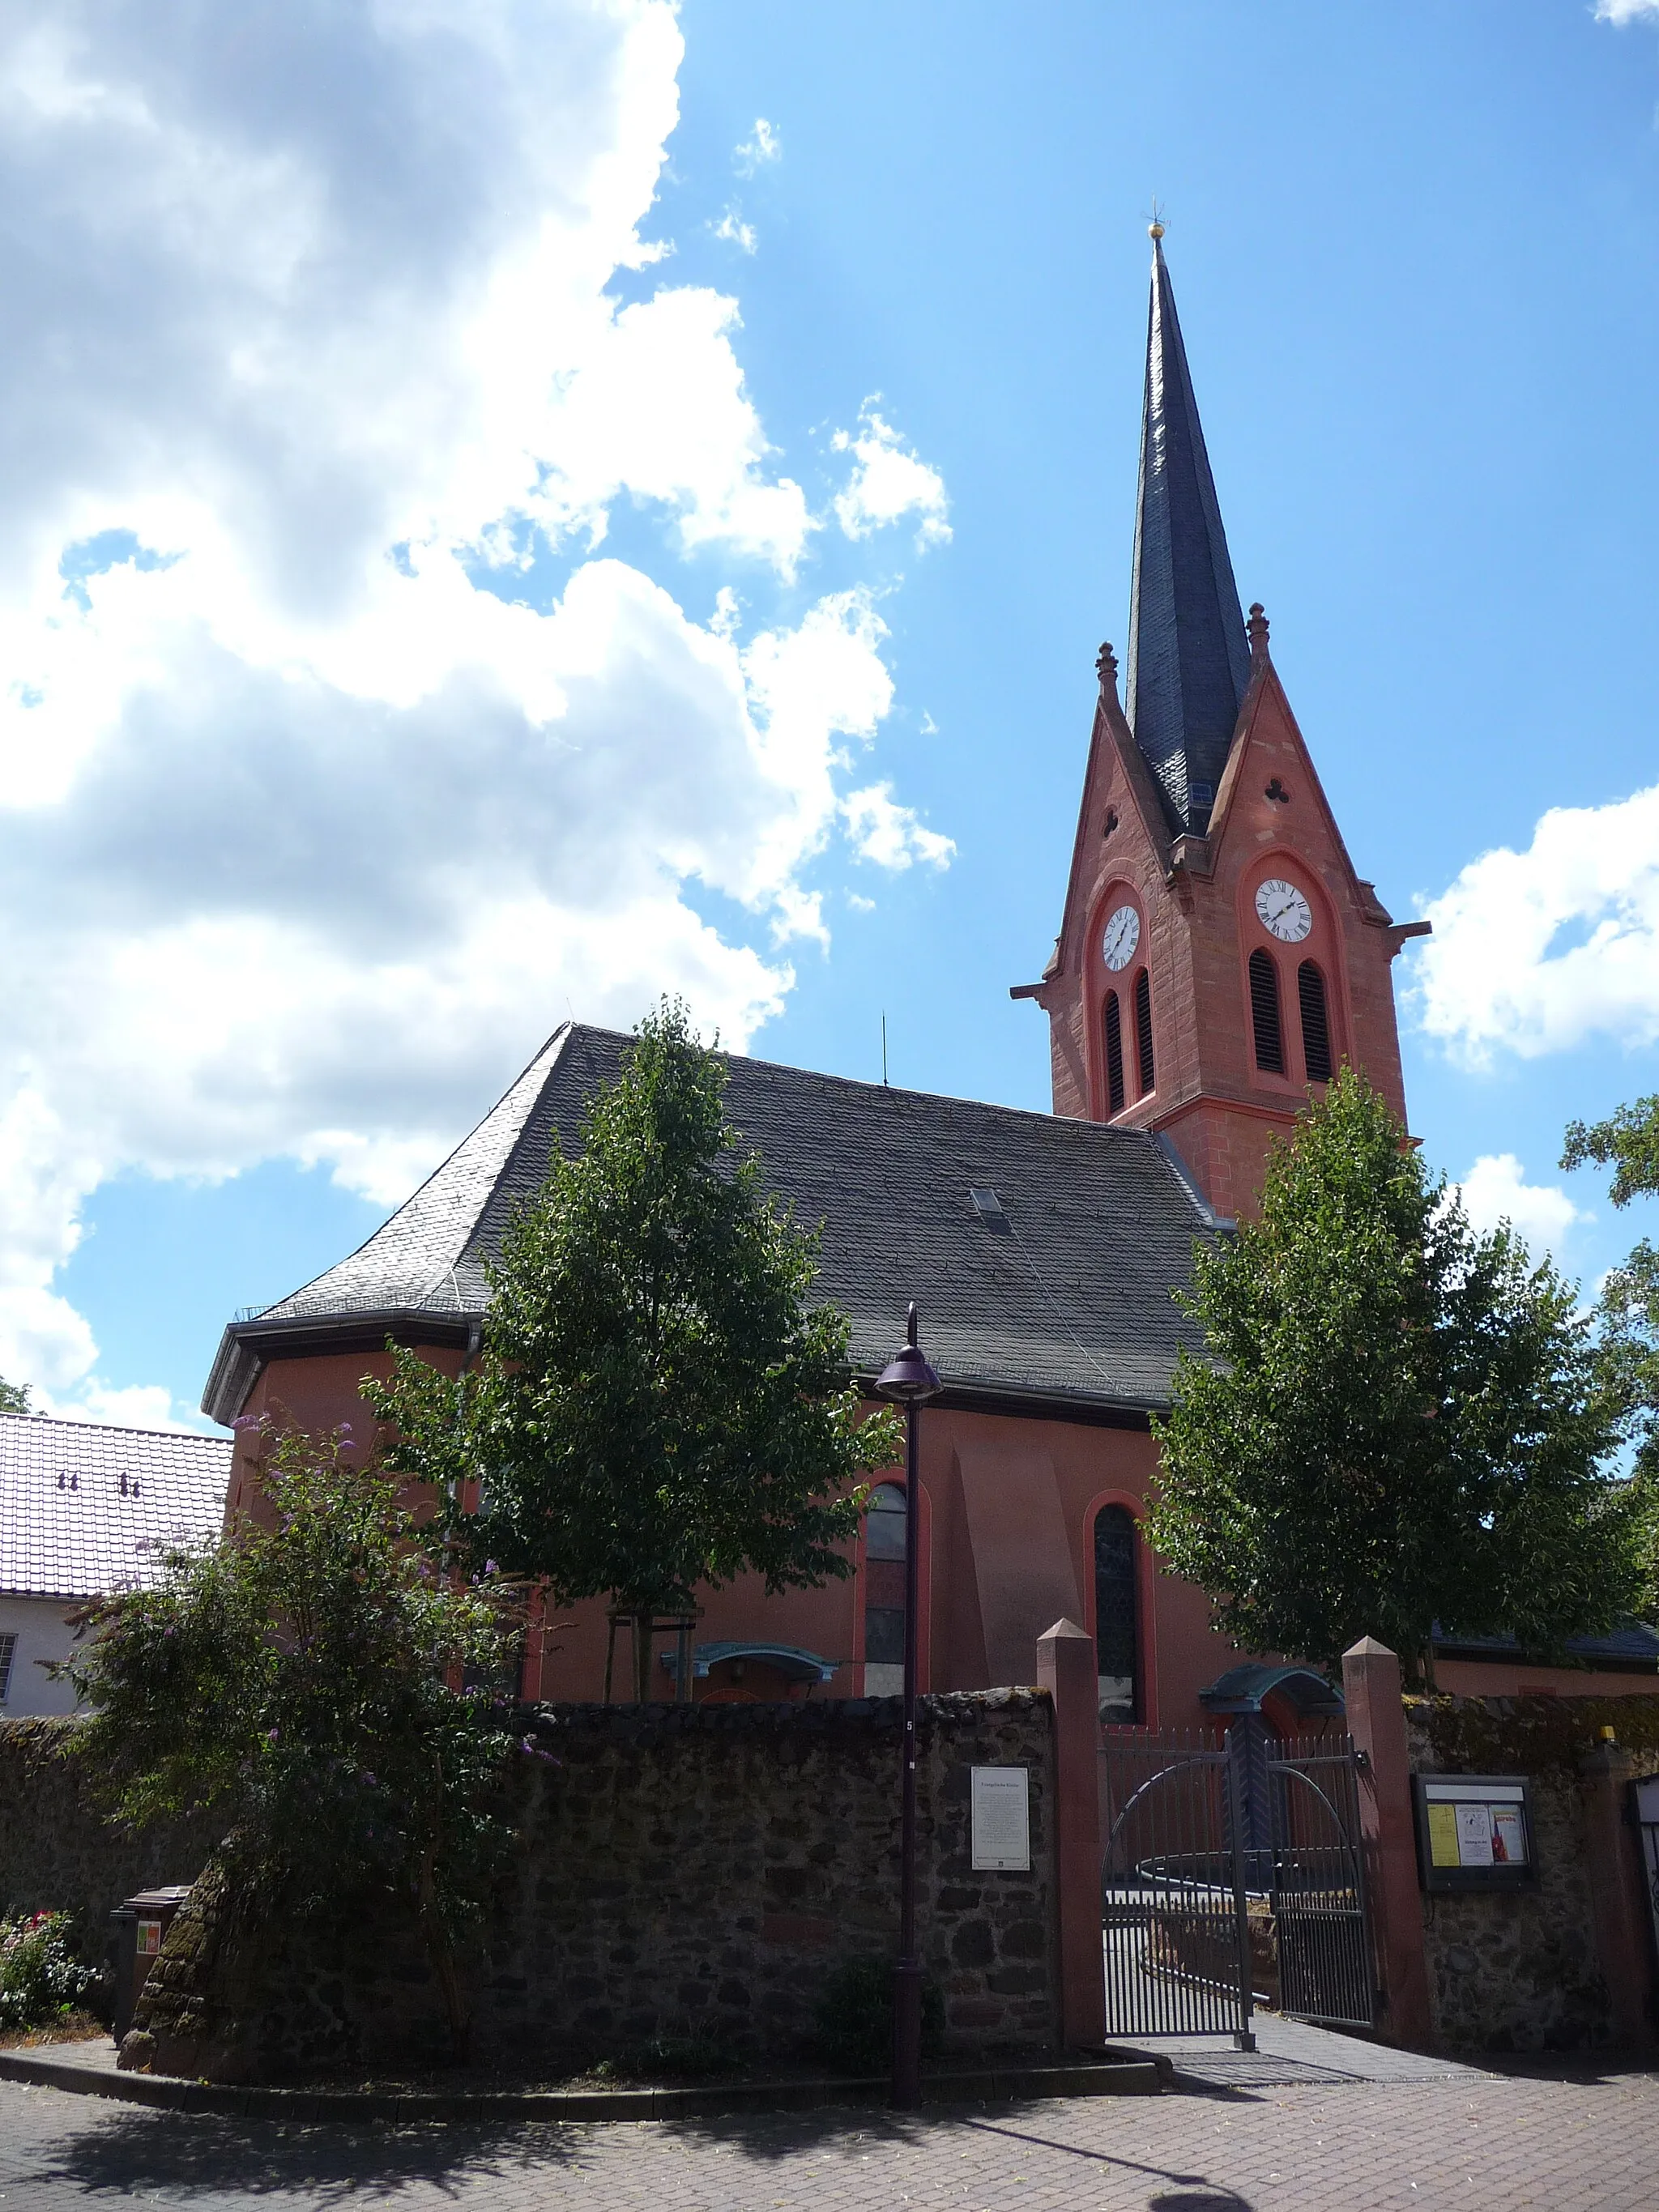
x,y
988,1207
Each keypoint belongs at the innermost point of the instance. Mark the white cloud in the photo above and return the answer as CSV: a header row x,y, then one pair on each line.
x,y
306,837
888,483
890,835
761,146
1495,1189
1535,951
1627,11
736,232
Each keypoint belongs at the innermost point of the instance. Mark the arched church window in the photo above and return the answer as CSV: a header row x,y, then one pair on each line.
x,y
1264,1012
1113,1054
1117,1626
1315,1023
1143,1030
884,1592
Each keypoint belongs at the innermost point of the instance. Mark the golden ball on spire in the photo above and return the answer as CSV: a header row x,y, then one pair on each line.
x,y
1154,230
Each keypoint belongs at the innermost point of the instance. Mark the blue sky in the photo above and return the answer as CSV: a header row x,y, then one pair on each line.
x,y
499,629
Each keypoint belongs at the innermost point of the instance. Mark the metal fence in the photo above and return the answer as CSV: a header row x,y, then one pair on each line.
x,y
1316,1896
1231,1878
1174,1907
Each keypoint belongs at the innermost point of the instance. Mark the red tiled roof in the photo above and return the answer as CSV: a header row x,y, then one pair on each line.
x,y
83,1507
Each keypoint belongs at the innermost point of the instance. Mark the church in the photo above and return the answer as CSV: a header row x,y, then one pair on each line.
x,y
1218,957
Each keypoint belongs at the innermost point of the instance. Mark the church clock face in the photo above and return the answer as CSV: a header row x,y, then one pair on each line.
x,y
1123,935
1282,908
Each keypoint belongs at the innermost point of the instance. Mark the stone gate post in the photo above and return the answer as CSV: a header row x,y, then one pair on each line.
x,y
1065,1668
1616,1898
1376,1722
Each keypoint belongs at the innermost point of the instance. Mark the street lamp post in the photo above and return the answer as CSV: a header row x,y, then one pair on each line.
x,y
909,1381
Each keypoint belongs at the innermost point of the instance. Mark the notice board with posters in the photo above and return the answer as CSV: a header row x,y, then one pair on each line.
x,y
1474,1831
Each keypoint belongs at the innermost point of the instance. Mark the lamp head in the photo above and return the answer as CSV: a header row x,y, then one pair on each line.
x,y
907,1378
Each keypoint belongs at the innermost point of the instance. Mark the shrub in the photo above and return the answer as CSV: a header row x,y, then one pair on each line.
x,y
302,1684
854,2016
41,1981
671,2058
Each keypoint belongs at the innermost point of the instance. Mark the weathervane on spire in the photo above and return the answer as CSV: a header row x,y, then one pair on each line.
x,y
1157,227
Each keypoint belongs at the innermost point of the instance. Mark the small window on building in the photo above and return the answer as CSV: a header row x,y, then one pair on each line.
x,y
884,1593
1315,1023
1264,1012
8,1653
1143,1031
1114,1093
1117,1627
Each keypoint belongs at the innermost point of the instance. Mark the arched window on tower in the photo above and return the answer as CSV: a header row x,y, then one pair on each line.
x,y
884,1592
1264,1012
1113,1054
1143,1030
1117,1623
1315,1023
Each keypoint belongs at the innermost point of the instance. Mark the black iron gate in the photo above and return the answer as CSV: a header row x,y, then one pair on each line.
x,y
1319,1937
1231,1878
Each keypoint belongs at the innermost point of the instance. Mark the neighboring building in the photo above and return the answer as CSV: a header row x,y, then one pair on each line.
x,y
83,1510
1218,958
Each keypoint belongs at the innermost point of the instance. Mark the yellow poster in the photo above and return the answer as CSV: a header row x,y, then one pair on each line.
x,y
1443,1836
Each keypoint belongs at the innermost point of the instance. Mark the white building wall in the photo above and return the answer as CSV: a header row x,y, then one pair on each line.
x,y
41,1627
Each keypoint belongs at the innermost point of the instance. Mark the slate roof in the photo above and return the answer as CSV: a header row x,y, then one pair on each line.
x,y
83,1505
1188,659
1630,1648
1067,1296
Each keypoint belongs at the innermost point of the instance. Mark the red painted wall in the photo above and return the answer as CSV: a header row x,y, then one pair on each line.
x,y
1007,1531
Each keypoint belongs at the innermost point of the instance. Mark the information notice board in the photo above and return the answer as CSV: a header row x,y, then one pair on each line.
x,y
1001,1811
1474,1831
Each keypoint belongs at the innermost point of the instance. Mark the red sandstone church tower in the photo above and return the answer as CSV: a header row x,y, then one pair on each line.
x,y
1218,954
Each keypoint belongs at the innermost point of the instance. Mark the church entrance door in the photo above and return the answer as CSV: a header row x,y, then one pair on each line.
x,y
1231,1879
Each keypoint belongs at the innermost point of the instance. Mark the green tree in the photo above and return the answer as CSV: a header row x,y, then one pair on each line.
x,y
1399,1422
14,1396
1627,1312
1628,1141
299,1682
658,1404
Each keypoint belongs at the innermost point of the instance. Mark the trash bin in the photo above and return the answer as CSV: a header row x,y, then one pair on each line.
x,y
138,1927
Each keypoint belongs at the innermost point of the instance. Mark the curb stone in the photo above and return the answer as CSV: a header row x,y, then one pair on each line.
x,y
1131,2075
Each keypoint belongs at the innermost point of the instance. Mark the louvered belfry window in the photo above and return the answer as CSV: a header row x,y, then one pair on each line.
x,y
1143,1030
1113,1054
1315,1023
1264,1012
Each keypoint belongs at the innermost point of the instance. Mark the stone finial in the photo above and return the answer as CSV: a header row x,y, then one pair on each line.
x,y
1106,668
1063,1628
1256,629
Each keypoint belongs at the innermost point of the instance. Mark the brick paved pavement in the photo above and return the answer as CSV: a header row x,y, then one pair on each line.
x,y
1585,2145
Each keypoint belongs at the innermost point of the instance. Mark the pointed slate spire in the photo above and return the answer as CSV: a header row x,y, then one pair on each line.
x,y
1188,657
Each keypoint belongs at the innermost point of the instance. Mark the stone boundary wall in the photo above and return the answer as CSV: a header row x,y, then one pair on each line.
x,y
680,1870
57,1849
1521,1970
706,1866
